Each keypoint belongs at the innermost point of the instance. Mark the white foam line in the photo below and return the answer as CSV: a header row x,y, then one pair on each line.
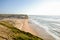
x,y
46,28
56,37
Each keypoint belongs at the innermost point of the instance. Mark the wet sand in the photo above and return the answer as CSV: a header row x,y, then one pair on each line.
x,y
42,33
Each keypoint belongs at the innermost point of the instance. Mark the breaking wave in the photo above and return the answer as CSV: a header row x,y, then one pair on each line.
x,y
52,24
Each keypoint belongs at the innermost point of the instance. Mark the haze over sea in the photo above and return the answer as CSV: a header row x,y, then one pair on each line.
x,y
50,23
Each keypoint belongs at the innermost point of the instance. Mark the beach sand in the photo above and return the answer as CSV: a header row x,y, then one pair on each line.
x,y
25,25
42,33
33,29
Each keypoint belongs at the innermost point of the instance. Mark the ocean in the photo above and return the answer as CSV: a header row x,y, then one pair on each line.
x,y
51,23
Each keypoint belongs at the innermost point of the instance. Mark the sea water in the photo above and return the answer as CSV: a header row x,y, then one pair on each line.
x,y
51,22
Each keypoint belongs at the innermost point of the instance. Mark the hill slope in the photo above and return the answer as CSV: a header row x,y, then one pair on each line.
x,y
9,32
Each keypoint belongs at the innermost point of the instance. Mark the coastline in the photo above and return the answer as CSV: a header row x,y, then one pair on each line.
x,y
41,32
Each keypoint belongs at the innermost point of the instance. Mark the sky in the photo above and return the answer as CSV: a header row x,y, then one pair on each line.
x,y
30,7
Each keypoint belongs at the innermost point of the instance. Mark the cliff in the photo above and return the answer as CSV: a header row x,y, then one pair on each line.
x,y
16,29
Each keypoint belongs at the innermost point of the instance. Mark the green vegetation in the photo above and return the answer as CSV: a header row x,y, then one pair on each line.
x,y
18,34
22,16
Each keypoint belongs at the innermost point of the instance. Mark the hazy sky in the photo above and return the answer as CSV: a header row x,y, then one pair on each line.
x,y
34,7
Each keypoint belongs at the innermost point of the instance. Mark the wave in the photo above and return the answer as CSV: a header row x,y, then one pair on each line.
x,y
52,24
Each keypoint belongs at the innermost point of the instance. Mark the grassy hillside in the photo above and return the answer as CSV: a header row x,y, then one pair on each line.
x,y
16,34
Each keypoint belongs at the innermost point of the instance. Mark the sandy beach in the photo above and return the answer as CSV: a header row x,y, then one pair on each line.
x,y
42,33
35,30
29,26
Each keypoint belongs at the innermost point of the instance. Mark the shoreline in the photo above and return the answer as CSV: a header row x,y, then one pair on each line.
x,y
41,32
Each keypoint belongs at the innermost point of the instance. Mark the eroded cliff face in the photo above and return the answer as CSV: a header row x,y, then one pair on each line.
x,y
16,29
